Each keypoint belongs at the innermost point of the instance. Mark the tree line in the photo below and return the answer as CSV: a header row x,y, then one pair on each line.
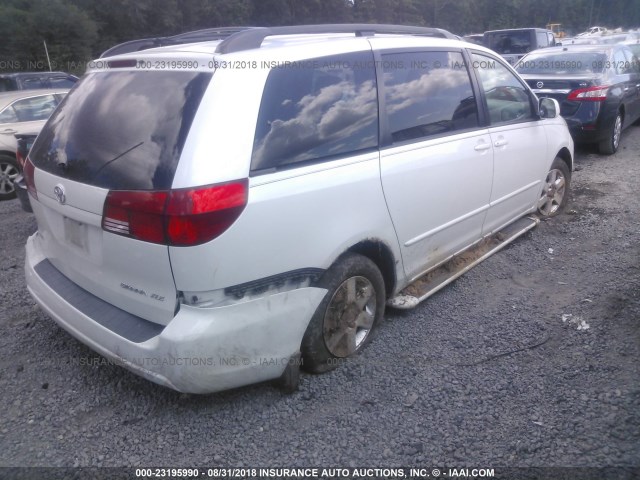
x,y
76,31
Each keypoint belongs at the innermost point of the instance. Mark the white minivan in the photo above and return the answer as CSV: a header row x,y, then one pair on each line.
x,y
218,213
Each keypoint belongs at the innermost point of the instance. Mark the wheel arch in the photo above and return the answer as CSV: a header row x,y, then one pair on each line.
x,y
565,155
379,253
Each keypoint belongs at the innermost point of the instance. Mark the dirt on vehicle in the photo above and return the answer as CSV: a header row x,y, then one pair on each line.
x,y
528,360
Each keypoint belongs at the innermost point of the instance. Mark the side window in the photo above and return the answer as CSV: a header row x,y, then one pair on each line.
x,y
33,83
508,100
8,115
6,85
427,94
634,63
316,109
542,39
60,82
35,108
621,63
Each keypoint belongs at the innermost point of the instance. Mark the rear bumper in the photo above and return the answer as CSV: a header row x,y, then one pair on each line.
x,y
201,350
593,133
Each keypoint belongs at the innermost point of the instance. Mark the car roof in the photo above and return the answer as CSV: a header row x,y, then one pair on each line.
x,y
597,47
518,30
33,74
237,39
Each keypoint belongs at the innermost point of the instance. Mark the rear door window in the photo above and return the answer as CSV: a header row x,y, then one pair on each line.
x,y
317,110
427,94
122,130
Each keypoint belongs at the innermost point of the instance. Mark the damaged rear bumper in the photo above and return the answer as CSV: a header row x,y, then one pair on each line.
x,y
201,350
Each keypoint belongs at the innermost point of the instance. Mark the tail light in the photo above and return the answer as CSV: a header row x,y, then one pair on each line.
x,y
591,94
20,159
184,217
29,173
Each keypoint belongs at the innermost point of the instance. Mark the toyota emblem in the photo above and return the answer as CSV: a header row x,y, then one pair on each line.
x,y
540,84
58,191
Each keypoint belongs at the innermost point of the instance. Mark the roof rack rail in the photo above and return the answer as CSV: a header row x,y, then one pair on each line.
x,y
236,39
206,35
253,37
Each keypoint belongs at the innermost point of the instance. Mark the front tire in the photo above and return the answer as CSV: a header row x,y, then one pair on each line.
x,y
611,144
555,191
8,174
344,321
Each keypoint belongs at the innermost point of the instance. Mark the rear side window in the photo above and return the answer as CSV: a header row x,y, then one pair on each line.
x,y
122,130
427,94
33,83
61,82
6,85
35,108
316,110
8,115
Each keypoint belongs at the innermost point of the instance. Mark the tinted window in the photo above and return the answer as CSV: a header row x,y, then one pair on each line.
x,y
510,42
620,62
35,108
33,82
427,94
6,85
507,99
122,130
561,63
61,82
317,109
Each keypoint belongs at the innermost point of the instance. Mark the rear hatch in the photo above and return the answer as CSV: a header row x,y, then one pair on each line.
x,y
118,135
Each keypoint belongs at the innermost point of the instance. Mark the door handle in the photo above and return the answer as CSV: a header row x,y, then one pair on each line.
x,y
500,143
9,131
482,146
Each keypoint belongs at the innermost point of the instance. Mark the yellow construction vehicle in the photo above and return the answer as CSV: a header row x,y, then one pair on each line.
x,y
556,29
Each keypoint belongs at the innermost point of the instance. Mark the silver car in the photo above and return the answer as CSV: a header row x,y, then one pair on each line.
x,y
21,111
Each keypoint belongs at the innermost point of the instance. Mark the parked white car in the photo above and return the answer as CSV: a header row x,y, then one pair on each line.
x,y
21,111
209,213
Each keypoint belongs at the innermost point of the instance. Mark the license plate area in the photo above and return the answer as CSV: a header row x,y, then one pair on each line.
x,y
76,233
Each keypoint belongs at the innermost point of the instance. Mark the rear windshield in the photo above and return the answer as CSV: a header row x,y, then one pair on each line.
x,y
562,63
121,130
510,42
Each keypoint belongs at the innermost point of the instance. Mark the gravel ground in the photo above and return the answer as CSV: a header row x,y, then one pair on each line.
x,y
486,373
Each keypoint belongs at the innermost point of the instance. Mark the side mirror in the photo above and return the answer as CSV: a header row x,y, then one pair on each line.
x,y
548,108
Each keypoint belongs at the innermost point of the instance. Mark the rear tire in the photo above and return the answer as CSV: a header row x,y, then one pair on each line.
x,y
8,174
344,321
611,144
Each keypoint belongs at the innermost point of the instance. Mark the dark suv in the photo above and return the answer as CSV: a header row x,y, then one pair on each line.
x,y
34,80
515,43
